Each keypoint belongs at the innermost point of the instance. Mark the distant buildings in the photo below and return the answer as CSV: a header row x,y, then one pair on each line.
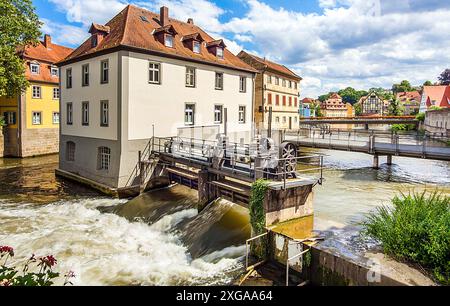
x,y
410,101
143,70
438,96
275,86
334,107
33,118
437,122
308,107
373,105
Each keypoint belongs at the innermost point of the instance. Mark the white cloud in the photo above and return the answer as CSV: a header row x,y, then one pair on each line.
x,y
63,34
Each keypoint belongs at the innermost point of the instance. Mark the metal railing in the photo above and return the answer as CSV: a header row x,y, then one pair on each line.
x,y
291,259
248,245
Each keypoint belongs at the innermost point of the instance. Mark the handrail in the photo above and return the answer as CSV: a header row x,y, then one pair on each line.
x,y
289,260
247,244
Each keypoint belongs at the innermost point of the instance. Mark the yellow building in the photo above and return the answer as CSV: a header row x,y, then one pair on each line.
x,y
33,118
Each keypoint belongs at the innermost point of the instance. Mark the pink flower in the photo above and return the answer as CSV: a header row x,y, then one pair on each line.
x,y
48,260
7,249
70,274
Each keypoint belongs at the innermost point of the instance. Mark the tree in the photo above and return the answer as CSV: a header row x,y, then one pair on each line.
x,y
322,98
318,110
349,95
404,86
395,108
2,121
444,78
19,27
358,109
428,83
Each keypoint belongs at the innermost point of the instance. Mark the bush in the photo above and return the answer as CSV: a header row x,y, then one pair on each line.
x,y
12,276
421,117
402,127
2,121
415,228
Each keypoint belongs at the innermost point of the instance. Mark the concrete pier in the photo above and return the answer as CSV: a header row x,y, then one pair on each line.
x,y
389,160
376,160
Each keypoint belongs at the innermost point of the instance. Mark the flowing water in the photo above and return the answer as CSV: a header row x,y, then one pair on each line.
x,y
159,238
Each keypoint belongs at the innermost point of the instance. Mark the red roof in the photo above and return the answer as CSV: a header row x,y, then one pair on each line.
x,y
437,95
308,101
409,96
46,56
134,27
274,66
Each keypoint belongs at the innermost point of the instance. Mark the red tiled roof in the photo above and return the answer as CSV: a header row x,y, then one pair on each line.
x,y
99,28
308,100
409,96
133,28
437,95
46,56
274,66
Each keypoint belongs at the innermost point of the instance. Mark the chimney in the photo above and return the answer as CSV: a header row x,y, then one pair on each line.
x,y
164,16
47,40
191,21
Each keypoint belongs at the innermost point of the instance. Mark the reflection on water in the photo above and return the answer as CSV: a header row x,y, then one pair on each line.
x,y
160,238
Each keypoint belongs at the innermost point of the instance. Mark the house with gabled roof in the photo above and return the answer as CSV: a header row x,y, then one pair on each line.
x,y
144,74
438,96
277,88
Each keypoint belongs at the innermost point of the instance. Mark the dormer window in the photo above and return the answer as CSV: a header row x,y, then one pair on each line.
x,y
54,71
168,41
34,67
220,53
197,47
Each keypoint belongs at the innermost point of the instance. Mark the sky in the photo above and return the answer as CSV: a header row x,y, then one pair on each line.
x,y
331,44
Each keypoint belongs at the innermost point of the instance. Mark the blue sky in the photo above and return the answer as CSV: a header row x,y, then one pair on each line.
x,y
330,43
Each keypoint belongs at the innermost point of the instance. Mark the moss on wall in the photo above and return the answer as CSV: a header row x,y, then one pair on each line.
x,y
258,217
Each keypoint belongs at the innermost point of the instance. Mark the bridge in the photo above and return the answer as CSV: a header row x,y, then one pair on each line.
x,y
376,143
360,120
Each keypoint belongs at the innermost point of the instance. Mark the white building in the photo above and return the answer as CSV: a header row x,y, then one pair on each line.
x,y
143,70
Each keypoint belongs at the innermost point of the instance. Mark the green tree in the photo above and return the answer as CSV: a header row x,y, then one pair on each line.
x,y
322,98
318,110
421,117
427,83
395,108
405,85
444,78
358,109
19,27
349,95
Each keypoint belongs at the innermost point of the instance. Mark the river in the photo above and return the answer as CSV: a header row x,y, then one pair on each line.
x,y
159,238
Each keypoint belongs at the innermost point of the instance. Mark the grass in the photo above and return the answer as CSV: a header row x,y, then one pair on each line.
x,y
416,228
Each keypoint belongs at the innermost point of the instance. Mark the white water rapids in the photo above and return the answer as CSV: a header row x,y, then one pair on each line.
x,y
106,249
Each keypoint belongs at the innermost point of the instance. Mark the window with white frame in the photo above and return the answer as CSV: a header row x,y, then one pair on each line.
x,y
55,118
10,117
218,113
277,81
104,113
197,47
241,114
36,118
190,77
34,68
269,79
277,119
55,93
36,91
54,71
85,113
104,71
69,113
69,78
85,75
284,119
154,73
189,114
104,158
290,84
219,80
219,52
284,83
295,85
242,84
168,41
70,151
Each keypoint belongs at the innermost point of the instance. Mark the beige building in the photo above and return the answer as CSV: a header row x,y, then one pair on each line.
x,y
278,87
334,107
145,73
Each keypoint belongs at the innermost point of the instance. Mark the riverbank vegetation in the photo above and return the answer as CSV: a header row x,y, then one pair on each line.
x,y
403,127
258,215
11,275
415,228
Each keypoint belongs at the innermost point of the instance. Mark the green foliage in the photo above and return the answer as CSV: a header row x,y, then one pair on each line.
x,y
19,27
405,85
318,111
436,108
258,216
2,121
415,228
421,117
358,109
395,108
12,276
444,78
427,83
323,98
351,95
402,127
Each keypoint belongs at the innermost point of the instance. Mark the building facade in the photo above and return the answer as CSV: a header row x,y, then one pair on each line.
x,y
437,122
276,87
308,108
33,118
410,101
144,74
374,105
334,107
438,96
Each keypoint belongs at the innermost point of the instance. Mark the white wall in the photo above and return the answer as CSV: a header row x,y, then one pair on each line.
x,y
163,105
94,93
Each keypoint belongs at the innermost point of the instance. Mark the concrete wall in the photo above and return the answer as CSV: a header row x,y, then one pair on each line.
x,y
39,141
438,121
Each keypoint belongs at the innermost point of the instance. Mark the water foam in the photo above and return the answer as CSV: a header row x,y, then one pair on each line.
x,y
104,249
